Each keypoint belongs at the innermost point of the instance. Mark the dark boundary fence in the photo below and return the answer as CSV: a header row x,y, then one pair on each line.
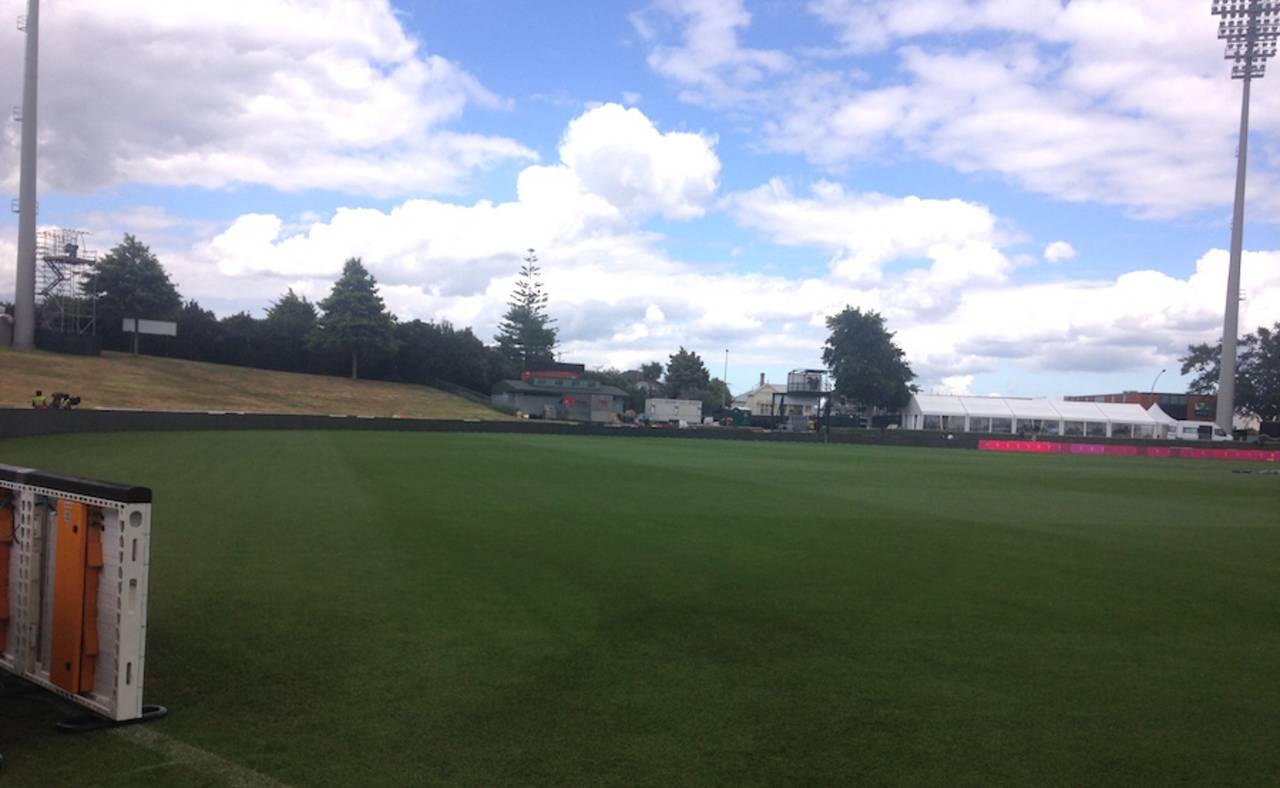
x,y
17,422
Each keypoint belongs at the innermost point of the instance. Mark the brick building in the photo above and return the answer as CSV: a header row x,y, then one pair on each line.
x,y
1183,407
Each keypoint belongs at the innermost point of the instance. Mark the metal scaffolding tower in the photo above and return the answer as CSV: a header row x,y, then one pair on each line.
x,y
64,282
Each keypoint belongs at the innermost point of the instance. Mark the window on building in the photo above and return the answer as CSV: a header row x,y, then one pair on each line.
x,y
1049,428
1145,431
953,423
1096,429
1004,426
1032,426
1122,430
979,424
932,422
1073,429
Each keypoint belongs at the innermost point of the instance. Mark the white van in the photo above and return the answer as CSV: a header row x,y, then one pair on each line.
x,y
1197,431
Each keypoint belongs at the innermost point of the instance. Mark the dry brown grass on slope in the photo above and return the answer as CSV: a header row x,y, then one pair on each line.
x,y
117,380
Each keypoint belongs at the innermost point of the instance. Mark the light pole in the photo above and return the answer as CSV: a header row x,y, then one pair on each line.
x,y
1250,28
1157,379
24,294
726,377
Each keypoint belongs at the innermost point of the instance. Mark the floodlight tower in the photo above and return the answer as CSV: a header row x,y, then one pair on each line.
x,y
24,294
1250,28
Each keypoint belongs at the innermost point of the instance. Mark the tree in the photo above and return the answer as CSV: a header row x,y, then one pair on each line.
x,y
651,372
686,374
198,332
433,352
1257,372
611,376
287,330
130,282
869,369
721,397
714,396
239,340
526,334
355,321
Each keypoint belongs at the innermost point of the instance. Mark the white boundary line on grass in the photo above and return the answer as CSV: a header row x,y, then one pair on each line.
x,y
231,773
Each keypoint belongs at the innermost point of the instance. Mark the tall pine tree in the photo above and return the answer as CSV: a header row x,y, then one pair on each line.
x,y
355,321
526,334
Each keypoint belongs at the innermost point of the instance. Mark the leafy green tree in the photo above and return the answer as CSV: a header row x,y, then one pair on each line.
x,y
686,374
198,333
720,394
611,376
428,353
651,372
869,369
239,340
354,319
287,330
1257,371
129,281
714,396
526,334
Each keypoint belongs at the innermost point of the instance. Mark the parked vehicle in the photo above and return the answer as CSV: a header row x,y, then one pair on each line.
x,y
1197,431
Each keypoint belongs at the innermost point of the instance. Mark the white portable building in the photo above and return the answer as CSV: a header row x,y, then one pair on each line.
x,y
665,410
1013,416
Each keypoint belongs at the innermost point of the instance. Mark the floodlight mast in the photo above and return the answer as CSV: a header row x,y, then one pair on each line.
x,y
24,294
1250,28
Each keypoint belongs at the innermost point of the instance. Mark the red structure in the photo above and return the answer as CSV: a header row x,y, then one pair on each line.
x,y
555,371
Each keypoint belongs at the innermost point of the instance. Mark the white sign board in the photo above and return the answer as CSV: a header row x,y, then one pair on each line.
x,y
162,328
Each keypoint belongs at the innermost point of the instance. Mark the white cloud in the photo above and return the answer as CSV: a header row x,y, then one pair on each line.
x,y
956,385
617,169
709,62
866,231
292,94
1058,251
1140,319
617,154
1126,102
941,275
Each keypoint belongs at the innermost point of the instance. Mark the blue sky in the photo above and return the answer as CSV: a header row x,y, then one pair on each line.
x,y
1035,193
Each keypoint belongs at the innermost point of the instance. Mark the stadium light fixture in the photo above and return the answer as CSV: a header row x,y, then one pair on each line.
x,y
24,295
1251,29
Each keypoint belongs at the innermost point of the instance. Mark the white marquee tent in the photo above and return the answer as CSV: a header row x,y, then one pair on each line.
x,y
1010,416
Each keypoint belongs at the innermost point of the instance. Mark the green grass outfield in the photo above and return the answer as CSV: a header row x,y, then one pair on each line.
x,y
386,608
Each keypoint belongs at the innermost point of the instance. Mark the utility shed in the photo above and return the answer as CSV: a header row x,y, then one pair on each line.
x,y
566,399
1012,415
658,410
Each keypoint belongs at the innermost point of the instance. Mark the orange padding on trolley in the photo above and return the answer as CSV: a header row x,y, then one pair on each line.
x,y
92,576
68,594
6,539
